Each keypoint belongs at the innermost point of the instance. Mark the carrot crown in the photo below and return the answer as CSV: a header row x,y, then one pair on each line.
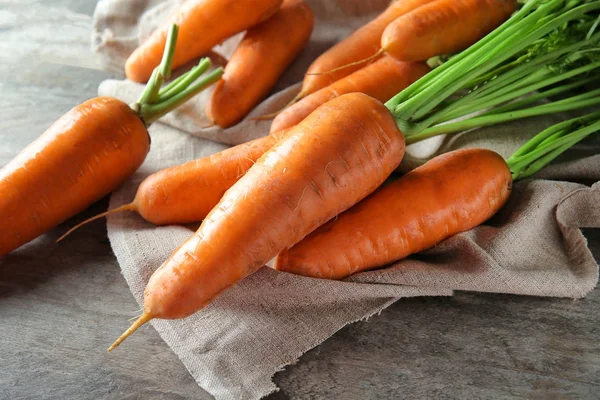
x,y
156,101
546,48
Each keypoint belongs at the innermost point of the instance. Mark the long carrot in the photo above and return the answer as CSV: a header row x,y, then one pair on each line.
x,y
204,24
361,44
186,193
83,156
438,28
451,193
261,57
380,80
443,27
336,156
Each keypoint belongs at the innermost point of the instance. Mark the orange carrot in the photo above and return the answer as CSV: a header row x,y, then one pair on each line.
x,y
258,61
82,157
336,156
451,193
438,28
361,44
380,80
85,155
443,27
204,24
186,193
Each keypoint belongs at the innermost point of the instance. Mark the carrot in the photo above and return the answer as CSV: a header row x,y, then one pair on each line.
x,y
186,193
83,156
451,193
438,28
258,61
204,24
380,80
336,156
361,44
443,27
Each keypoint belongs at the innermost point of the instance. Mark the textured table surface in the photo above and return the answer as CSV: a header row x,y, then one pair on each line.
x,y
61,305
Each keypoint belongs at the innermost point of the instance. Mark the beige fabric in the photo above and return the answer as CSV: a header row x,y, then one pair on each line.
x,y
234,346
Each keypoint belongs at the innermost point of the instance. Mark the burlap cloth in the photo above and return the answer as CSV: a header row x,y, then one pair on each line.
x,y
234,346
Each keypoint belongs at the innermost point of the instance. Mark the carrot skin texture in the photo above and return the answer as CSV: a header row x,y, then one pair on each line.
x,y
188,192
203,24
82,157
315,172
443,27
259,60
361,44
380,80
449,194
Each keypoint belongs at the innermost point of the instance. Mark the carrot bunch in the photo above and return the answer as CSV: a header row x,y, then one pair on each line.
x,y
346,147
86,154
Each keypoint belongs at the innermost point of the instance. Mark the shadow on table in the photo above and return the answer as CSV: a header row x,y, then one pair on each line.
x,y
42,259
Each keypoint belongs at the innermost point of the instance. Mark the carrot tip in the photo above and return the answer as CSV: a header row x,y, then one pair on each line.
x,y
145,317
352,64
296,98
126,207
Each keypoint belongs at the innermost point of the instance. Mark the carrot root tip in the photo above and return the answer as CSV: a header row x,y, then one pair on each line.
x,y
352,64
145,317
126,207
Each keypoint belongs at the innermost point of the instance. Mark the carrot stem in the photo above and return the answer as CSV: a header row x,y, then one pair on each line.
x,y
154,102
585,100
550,143
145,317
184,81
152,112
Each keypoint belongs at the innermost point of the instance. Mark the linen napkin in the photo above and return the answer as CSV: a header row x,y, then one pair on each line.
x,y
233,347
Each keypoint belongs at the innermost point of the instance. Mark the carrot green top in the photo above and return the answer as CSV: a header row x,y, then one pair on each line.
x,y
546,48
154,102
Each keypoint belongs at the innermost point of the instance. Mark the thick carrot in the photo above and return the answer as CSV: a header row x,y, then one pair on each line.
x,y
258,61
84,155
186,193
361,44
451,193
443,27
204,24
380,80
336,156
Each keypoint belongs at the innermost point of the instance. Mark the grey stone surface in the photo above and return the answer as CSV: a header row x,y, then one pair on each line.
x,y
61,305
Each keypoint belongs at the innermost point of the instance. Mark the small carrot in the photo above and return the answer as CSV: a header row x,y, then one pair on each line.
x,y
438,28
380,80
83,156
204,24
336,156
261,57
443,27
186,193
361,44
451,193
